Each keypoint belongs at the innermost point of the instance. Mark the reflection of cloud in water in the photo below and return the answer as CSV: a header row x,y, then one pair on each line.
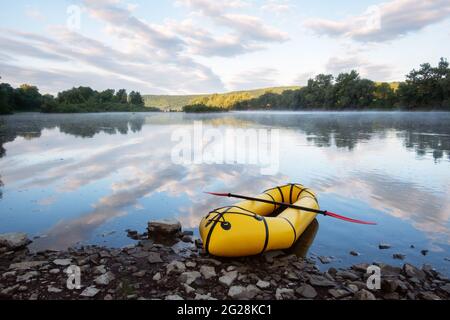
x,y
427,210
173,180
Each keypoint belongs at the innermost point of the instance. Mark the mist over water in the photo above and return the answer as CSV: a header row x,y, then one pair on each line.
x,y
84,179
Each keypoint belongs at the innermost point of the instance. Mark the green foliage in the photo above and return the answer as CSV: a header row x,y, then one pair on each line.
x,y
424,89
27,98
136,99
121,96
224,100
202,108
428,87
6,98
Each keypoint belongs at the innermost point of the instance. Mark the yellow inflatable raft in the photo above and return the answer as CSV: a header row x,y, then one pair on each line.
x,y
250,227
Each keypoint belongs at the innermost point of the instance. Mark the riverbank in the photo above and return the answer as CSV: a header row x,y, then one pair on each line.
x,y
177,268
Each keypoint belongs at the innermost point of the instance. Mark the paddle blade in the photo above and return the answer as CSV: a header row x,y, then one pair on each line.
x,y
338,216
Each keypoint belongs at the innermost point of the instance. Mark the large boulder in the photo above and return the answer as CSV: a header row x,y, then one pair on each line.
x,y
14,241
165,227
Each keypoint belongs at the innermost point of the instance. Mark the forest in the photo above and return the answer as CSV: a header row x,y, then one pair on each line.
x,y
27,98
427,88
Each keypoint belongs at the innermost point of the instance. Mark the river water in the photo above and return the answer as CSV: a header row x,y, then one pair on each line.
x,y
85,179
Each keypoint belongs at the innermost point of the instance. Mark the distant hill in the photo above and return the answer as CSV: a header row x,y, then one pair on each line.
x,y
177,102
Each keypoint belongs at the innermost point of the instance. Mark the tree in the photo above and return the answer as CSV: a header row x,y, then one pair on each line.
x,y
49,104
76,95
121,96
27,98
136,99
427,87
318,93
106,96
384,96
6,99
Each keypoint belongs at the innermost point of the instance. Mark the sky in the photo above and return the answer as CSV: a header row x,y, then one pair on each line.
x,y
207,46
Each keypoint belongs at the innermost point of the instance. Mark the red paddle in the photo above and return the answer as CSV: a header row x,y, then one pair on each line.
x,y
323,212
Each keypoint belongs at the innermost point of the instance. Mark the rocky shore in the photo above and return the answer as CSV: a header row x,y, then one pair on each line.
x,y
176,268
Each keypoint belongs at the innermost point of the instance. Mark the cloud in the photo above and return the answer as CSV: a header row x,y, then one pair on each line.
x,y
386,21
34,13
367,69
249,30
277,6
302,78
254,79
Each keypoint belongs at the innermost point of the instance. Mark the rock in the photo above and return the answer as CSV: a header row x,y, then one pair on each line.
x,y
320,281
360,267
269,256
252,291
105,279
33,296
429,296
154,257
100,269
188,288
388,270
339,293
157,277
176,266
208,272
52,289
398,256
325,260
187,239
237,292
203,297
27,276
141,254
354,253
306,291
14,241
284,294
173,297
90,292
165,227
347,275
108,297
62,262
392,296
9,274
424,252
446,288
384,246
27,265
413,272
189,277
389,286
191,264
363,294
132,234
54,271
228,278
140,274
263,284
9,290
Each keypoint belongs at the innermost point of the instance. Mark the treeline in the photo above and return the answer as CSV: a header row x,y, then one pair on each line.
x,y
27,98
202,108
425,89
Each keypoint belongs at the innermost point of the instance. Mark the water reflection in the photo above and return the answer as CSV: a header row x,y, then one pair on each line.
x,y
72,177
304,242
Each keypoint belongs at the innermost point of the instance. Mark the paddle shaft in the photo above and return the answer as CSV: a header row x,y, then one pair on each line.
x,y
323,212
231,195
